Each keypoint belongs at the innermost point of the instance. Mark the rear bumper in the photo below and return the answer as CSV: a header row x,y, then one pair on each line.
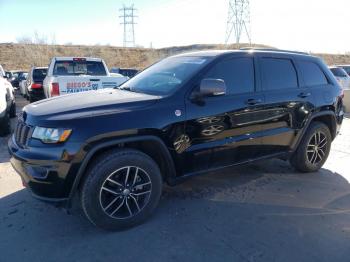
x,y
36,94
43,171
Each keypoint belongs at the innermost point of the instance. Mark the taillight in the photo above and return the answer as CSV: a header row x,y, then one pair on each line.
x,y
55,90
35,86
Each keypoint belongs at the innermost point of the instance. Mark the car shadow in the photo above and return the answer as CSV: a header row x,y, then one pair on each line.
x,y
261,212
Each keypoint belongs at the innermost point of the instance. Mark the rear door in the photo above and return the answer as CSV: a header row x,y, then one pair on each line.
x,y
224,130
287,104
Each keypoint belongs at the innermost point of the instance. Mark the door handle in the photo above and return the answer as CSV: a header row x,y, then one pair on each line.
x,y
304,95
253,101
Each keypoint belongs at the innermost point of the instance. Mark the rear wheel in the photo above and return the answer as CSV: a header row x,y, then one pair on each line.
x,y
13,110
314,148
31,99
122,189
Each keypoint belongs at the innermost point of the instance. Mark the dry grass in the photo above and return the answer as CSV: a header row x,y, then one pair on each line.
x,y
23,56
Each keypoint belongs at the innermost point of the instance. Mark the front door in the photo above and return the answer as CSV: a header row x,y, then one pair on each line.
x,y
224,130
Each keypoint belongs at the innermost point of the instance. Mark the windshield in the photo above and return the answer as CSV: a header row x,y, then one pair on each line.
x,y
347,69
83,67
339,72
166,76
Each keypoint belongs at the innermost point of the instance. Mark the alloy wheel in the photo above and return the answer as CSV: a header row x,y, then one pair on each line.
x,y
317,148
125,192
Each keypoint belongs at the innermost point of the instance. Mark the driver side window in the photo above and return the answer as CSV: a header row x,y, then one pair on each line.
x,y
238,74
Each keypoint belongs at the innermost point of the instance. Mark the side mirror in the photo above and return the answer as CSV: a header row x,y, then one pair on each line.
x,y
212,87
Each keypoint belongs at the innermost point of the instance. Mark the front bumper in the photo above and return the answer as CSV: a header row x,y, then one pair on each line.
x,y
47,171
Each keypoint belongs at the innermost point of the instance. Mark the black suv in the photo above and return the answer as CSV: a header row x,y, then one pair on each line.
x,y
185,115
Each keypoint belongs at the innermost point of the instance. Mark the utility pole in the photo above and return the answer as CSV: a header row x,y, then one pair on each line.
x,y
128,21
238,20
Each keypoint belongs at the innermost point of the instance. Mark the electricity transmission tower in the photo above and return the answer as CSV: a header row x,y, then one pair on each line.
x,y
128,21
238,20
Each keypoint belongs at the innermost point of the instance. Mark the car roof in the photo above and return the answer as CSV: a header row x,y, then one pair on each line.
x,y
65,58
215,53
42,67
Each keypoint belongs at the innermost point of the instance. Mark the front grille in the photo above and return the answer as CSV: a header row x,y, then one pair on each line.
x,y
22,133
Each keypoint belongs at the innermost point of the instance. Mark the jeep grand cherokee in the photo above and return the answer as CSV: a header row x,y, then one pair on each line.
x,y
185,115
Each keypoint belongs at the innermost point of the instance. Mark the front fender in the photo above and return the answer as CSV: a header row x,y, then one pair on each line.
x,y
170,175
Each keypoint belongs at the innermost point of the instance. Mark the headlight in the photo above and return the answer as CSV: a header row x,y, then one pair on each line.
x,y
51,135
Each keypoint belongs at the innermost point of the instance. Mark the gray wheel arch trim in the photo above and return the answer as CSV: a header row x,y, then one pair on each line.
x,y
170,176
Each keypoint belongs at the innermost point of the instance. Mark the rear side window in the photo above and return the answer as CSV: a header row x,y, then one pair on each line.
x,y
338,72
238,74
82,67
39,74
278,74
312,74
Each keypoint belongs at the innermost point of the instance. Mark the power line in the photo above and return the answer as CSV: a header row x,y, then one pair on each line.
x,y
238,20
128,21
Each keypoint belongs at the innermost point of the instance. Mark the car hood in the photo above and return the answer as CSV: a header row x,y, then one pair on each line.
x,y
87,104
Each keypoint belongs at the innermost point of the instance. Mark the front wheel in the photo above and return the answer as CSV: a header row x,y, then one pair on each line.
x,y
122,189
5,127
13,110
314,148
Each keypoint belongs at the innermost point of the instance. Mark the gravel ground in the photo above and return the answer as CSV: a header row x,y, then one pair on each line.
x,y
262,212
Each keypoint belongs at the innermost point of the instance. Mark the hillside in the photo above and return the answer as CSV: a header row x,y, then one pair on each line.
x,y
23,56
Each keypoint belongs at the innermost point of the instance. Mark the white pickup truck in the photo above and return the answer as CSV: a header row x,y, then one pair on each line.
x,y
68,75
4,112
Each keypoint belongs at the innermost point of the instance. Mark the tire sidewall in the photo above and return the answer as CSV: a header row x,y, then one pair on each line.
x,y
300,160
97,176
5,127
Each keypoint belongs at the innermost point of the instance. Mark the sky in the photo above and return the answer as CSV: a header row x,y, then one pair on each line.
x,y
304,25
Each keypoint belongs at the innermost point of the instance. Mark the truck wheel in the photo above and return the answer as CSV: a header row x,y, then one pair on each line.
x,y
31,99
314,148
5,127
13,110
122,189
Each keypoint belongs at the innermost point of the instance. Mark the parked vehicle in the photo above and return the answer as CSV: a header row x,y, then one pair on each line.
x,y
4,112
22,83
5,84
129,72
2,72
67,75
342,77
34,84
183,116
15,78
346,68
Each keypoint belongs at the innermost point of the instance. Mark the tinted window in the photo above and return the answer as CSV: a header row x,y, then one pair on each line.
x,y
312,74
278,74
83,67
238,74
39,74
338,72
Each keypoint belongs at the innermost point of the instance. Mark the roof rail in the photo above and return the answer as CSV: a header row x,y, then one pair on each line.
x,y
274,49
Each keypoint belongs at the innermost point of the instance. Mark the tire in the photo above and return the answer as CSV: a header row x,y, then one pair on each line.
x,y
123,208
5,127
13,110
31,99
310,158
